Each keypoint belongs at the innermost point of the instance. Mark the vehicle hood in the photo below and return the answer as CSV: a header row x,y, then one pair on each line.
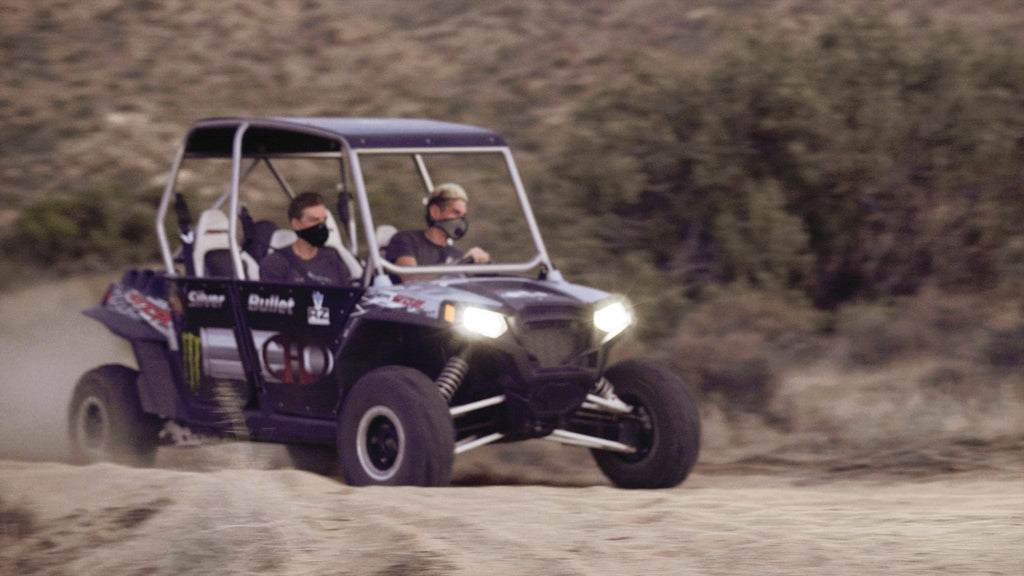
x,y
508,295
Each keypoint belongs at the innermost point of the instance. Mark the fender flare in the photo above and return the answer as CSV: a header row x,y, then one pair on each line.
x,y
157,381
123,326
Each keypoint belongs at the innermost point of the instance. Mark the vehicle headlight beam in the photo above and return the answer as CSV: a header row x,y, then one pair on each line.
x,y
483,322
612,318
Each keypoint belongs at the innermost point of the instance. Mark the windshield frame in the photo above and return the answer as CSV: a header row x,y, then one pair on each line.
x,y
382,267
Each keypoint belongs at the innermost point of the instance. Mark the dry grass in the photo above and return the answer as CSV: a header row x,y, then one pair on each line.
x,y
734,347
910,376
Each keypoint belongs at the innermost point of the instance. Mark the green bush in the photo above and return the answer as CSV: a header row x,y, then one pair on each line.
x,y
98,228
866,161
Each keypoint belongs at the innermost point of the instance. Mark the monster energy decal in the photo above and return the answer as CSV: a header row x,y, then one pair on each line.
x,y
191,356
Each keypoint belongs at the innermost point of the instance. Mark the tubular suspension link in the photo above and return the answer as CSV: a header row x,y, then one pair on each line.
x,y
450,378
604,389
602,397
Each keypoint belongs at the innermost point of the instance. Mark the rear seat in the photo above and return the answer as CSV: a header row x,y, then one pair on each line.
x,y
211,254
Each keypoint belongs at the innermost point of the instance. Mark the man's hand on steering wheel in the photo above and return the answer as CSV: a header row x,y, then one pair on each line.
x,y
475,255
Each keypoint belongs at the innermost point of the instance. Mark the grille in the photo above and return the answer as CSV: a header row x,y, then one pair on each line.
x,y
554,342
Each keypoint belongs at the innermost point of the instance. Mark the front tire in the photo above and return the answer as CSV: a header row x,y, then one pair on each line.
x,y
395,429
106,422
664,427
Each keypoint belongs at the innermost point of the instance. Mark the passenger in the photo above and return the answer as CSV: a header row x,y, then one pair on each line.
x,y
446,222
306,261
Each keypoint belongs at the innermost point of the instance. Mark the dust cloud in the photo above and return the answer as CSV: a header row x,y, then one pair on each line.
x,y
45,346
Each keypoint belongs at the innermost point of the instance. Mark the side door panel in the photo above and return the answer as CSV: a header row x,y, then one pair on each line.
x,y
205,318
295,334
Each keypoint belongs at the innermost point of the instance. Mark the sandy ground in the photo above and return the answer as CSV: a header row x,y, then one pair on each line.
x,y
106,519
760,501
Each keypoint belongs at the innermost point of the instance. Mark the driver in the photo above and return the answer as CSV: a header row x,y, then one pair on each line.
x,y
307,261
446,222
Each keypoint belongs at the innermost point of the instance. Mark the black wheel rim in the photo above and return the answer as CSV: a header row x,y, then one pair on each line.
x,y
93,425
381,443
638,431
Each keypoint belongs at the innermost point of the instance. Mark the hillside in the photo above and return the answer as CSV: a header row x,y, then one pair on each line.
x,y
100,91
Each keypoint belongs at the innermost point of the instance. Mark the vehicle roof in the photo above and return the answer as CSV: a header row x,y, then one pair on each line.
x,y
269,136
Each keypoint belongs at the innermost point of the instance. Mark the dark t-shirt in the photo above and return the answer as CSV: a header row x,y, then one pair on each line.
x,y
285,265
414,243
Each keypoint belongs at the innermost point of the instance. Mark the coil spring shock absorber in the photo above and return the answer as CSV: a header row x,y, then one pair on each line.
x,y
451,377
604,389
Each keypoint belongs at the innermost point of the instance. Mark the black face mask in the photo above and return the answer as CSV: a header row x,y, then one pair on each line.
x,y
315,235
455,228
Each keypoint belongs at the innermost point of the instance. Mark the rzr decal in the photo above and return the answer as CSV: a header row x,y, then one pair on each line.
x,y
153,311
317,314
408,301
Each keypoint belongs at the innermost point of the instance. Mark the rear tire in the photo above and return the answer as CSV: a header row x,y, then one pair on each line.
x,y
666,430
395,429
106,422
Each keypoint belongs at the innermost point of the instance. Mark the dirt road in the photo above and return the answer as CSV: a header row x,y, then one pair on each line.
x,y
106,519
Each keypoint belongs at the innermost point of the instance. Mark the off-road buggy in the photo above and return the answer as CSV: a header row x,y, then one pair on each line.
x,y
397,378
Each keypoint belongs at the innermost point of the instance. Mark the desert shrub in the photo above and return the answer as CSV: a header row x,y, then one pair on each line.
x,y
959,381
788,326
932,323
947,313
1005,348
949,324
875,335
735,346
945,377
97,228
16,272
733,370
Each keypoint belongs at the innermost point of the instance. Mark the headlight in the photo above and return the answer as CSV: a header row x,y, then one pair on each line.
x,y
613,318
478,320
